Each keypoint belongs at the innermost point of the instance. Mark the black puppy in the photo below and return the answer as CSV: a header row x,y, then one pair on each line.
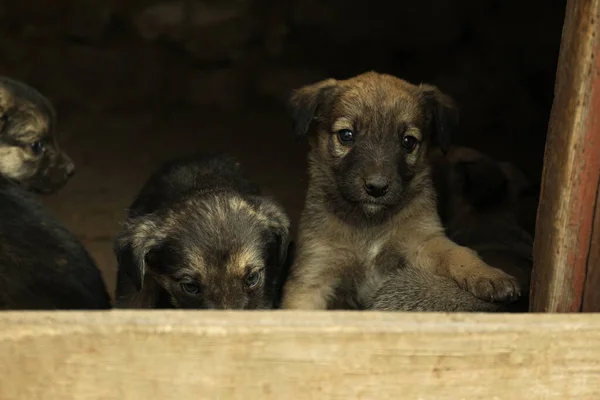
x,y
43,265
200,235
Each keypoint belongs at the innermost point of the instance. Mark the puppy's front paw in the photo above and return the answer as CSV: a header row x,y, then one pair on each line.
x,y
474,275
489,284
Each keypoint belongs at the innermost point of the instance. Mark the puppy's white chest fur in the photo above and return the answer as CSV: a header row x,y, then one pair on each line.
x,y
373,278
374,249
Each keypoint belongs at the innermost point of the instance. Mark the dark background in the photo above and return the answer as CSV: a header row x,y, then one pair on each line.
x,y
136,82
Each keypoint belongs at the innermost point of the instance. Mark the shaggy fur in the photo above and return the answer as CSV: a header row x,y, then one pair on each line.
x,y
200,235
371,206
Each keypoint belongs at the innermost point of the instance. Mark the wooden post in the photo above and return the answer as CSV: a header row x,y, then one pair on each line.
x,y
563,249
591,293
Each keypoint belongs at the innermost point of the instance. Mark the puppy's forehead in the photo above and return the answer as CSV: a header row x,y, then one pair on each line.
x,y
223,232
374,95
219,215
218,261
235,259
29,120
16,96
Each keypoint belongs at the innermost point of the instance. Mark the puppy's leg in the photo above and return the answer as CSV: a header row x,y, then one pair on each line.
x,y
470,272
310,286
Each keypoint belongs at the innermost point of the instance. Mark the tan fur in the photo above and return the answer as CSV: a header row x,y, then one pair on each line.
x,y
334,256
6,99
34,125
34,120
12,159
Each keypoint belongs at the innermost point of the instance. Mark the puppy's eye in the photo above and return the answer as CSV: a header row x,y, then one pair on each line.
x,y
409,143
253,278
37,147
190,287
346,136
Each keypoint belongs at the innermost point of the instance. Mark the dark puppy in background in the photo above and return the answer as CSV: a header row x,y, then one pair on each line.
x,y
525,195
200,235
42,264
371,205
479,202
29,152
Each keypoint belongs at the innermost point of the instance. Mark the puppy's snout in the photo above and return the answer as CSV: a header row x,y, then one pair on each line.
x,y
377,185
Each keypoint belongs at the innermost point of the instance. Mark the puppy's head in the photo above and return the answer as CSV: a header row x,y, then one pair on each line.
x,y
371,136
29,152
470,183
222,252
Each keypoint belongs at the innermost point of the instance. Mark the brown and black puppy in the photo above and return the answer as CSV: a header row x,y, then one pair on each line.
x,y
200,235
479,202
371,205
42,264
29,152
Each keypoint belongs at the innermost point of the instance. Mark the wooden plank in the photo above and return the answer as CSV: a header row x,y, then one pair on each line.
x,y
591,293
571,166
298,355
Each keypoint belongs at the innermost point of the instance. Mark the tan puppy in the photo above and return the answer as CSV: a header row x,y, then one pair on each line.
x,y
371,205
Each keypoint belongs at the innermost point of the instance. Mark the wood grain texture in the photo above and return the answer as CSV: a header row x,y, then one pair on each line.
x,y
591,293
183,355
571,166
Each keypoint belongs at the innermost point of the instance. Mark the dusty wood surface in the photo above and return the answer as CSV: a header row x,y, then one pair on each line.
x,y
571,166
298,355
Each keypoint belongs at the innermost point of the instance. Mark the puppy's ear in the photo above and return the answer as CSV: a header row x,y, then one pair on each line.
x,y
134,244
278,224
304,102
445,115
483,182
4,104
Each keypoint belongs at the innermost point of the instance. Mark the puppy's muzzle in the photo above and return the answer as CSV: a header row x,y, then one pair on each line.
x,y
376,185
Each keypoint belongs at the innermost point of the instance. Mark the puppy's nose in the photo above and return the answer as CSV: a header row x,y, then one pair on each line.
x,y
376,185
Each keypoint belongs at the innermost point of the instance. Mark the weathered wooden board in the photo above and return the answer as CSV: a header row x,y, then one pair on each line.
x,y
183,355
591,293
571,167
